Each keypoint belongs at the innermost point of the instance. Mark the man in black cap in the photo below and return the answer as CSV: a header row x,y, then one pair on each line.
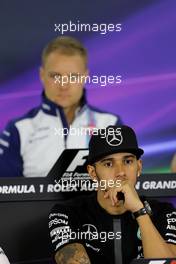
x,y
114,225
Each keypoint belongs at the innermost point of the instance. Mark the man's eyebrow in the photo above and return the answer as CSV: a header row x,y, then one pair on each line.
x,y
129,156
107,159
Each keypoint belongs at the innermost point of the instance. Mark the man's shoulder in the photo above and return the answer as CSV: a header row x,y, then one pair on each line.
x,y
28,115
12,125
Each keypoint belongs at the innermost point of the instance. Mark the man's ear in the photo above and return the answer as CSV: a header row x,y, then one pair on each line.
x,y
139,167
41,74
92,172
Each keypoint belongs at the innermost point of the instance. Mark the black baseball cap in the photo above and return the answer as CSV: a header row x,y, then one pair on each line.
x,y
113,139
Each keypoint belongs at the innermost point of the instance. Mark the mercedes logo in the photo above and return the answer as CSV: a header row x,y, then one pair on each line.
x,y
91,231
114,137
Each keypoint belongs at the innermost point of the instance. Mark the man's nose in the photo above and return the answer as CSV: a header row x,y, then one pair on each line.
x,y
120,171
65,82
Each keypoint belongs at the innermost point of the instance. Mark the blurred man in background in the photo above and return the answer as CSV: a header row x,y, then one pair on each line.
x,y
31,144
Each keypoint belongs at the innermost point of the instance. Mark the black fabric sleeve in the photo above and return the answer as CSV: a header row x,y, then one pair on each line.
x,y
165,218
169,228
64,226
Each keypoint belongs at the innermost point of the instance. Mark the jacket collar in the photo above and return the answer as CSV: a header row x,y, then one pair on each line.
x,y
51,108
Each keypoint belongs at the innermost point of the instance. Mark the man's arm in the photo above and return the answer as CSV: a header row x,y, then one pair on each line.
x,y
154,246
173,248
11,163
74,253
